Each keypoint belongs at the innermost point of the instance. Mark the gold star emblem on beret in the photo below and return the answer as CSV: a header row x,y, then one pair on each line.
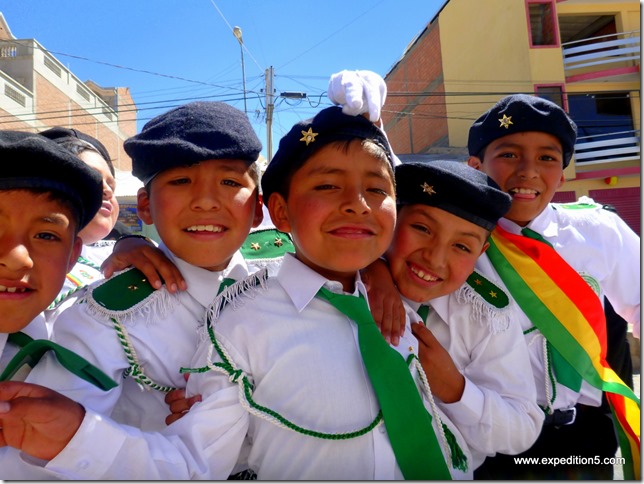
x,y
506,121
255,246
278,242
308,136
428,189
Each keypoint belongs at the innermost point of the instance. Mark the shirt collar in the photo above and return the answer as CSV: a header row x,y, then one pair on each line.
x,y
545,223
203,285
302,283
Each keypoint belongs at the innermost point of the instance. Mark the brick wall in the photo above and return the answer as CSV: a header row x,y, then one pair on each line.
x,y
414,114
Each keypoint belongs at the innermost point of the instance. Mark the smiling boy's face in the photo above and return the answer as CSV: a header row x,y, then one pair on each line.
x,y
340,210
433,251
38,246
204,212
529,166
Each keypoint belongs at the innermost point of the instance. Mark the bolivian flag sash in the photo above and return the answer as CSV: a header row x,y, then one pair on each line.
x,y
570,316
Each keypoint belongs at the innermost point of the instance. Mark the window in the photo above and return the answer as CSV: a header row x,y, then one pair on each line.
x,y
551,93
542,23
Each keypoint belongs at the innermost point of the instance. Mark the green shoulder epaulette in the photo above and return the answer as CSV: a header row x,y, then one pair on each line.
x,y
489,291
578,205
266,244
123,291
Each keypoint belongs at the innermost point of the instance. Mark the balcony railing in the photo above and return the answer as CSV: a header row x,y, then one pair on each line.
x,y
601,51
621,146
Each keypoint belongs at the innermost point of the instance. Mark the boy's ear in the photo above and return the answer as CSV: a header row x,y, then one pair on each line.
x,y
259,212
279,212
143,206
485,246
474,162
77,247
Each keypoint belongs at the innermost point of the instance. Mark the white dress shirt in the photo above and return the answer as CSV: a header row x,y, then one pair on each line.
x,y
163,332
303,358
497,411
12,465
606,253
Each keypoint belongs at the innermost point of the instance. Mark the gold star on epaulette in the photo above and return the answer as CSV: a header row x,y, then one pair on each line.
x,y
428,189
278,242
506,121
492,294
255,246
308,136
478,282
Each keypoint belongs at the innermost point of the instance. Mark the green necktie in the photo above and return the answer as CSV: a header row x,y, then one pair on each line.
x,y
408,423
423,312
33,349
564,371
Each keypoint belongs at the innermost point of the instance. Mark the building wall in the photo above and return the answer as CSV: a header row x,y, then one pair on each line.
x,y
415,115
481,51
484,47
51,95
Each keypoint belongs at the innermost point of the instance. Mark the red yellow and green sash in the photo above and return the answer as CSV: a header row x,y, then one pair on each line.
x,y
570,316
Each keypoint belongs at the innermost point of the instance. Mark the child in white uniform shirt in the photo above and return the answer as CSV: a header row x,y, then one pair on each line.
x,y
309,410
524,143
201,193
47,196
475,359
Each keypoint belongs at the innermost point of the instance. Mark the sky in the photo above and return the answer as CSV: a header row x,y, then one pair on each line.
x,y
170,52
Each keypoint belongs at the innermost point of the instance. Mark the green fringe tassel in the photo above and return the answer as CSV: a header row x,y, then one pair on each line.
x,y
459,461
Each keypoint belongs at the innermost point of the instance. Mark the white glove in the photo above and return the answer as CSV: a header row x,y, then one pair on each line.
x,y
358,92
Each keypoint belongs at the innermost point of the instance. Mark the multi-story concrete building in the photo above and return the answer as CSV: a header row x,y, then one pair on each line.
x,y
582,54
37,92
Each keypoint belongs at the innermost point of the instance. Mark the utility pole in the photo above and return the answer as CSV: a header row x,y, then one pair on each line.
x,y
269,112
238,35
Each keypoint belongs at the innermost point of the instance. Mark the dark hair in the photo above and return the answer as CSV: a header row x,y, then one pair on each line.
x,y
372,146
78,146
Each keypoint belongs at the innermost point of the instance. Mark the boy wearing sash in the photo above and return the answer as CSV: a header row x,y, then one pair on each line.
x,y
197,164
296,379
47,196
474,357
524,143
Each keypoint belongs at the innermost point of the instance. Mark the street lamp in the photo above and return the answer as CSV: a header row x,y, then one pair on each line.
x,y
238,35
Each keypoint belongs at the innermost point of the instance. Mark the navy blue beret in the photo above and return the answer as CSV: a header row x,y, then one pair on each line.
x,y
455,187
518,113
307,136
59,133
33,161
194,132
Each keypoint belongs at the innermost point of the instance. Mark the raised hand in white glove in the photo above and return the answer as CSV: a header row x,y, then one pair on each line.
x,y
358,92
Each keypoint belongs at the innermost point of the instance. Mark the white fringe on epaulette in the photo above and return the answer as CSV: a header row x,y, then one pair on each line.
x,y
154,307
232,295
496,320
272,265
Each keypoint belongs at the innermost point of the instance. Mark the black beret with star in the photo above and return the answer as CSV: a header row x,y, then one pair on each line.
x,y
308,136
197,131
455,187
31,161
518,113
